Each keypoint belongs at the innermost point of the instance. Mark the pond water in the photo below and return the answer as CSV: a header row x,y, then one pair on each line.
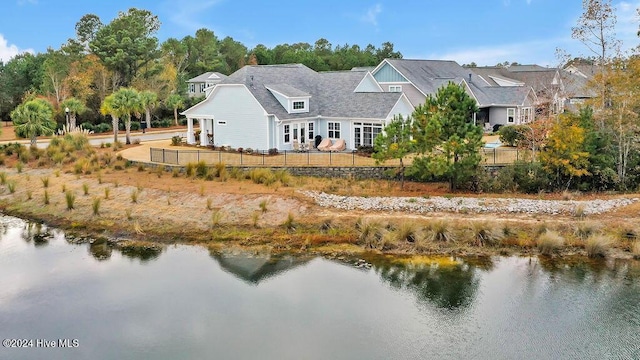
x,y
186,303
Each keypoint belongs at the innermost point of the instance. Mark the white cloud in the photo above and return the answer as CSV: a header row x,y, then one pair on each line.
x,y
371,16
7,51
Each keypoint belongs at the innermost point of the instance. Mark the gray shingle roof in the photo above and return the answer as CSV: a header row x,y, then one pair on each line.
x,y
331,93
430,75
287,90
500,95
208,76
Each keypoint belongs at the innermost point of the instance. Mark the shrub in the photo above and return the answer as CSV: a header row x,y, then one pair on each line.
x,y
262,176
597,245
584,229
511,134
549,242
273,151
175,172
263,206
201,169
70,197
46,197
369,233
190,169
216,218
209,204
85,188
3,178
176,141
106,193
283,176
19,166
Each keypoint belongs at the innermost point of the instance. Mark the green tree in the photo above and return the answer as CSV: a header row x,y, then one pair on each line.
x,y
564,156
447,140
108,107
33,118
127,44
148,101
127,101
394,143
175,102
75,107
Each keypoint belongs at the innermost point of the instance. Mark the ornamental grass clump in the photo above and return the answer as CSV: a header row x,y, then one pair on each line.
x,y
635,249
11,185
290,223
70,198
134,196
549,242
46,197
96,206
406,232
370,233
584,229
45,182
484,234
440,231
598,245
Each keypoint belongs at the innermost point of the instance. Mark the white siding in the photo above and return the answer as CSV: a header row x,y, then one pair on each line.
x,y
403,107
246,121
368,84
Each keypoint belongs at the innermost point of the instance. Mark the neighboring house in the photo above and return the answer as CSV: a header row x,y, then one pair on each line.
x,y
556,89
509,103
276,106
202,84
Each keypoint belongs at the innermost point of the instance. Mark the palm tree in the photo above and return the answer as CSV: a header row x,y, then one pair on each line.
x,y
174,101
148,100
127,101
75,107
108,108
33,118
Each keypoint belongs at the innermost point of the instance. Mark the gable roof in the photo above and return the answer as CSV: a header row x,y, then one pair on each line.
x,y
208,76
287,90
331,92
500,95
429,75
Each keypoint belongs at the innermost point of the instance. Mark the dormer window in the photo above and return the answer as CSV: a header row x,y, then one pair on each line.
x,y
298,105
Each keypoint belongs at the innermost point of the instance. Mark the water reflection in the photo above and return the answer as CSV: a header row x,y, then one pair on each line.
x,y
254,268
100,249
450,285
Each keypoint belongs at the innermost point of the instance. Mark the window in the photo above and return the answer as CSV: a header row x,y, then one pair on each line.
x,y
192,88
202,86
526,115
364,134
310,127
511,114
395,88
298,105
334,130
287,134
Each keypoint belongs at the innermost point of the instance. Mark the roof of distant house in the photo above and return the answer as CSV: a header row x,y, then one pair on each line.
x,y
208,76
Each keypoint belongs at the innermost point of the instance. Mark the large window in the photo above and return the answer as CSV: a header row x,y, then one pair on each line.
x,y
287,134
511,114
334,130
365,133
298,105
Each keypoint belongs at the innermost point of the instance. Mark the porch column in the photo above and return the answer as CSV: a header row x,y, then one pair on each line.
x,y
203,132
190,138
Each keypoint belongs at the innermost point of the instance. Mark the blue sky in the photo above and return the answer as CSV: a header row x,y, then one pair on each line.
x,y
484,31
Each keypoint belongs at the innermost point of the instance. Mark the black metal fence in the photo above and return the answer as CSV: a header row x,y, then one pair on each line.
x,y
491,157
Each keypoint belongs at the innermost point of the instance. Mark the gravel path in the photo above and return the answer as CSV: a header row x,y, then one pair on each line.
x,y
466,204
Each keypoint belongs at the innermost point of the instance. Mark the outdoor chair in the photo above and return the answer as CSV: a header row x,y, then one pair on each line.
x,y
339,145
324,145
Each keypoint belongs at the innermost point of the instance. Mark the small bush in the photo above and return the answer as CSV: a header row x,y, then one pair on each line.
x,y
370,233
584,229
106,193
160,170
3,178
45,182
209,204
216,218
201,169
262,176
263,205
407,232
19,166
597,245
550,242
85,189
29,194
190,169
46,197
175,172
70,198
176,141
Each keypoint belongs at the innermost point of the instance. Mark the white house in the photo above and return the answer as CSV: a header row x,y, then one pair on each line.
x,y
275,106
202,84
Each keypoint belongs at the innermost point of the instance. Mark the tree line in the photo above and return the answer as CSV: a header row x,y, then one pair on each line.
x,y
125,53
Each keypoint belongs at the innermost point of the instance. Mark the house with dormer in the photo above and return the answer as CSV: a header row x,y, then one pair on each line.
x,y
202,84
279,106
505,104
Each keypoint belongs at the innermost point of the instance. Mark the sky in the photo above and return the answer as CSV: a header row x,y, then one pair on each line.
x,y
486,32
